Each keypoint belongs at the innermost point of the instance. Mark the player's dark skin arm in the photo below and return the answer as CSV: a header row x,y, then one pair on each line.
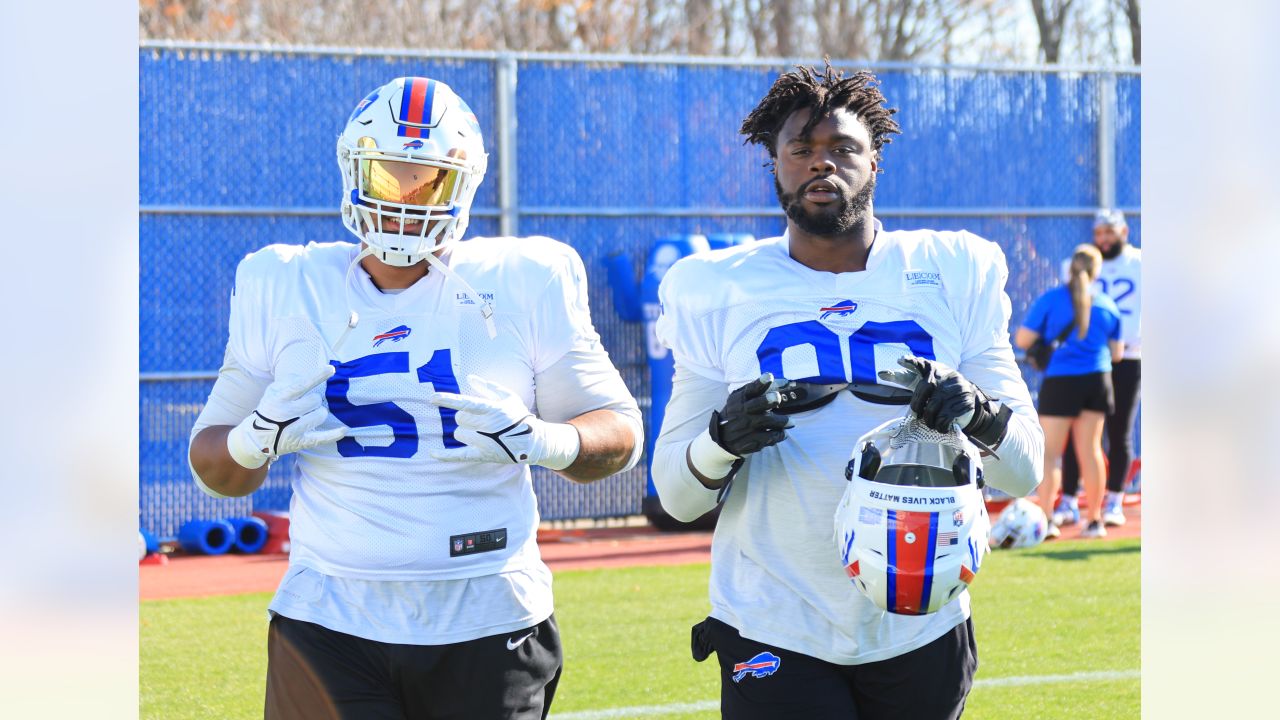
x,y
217,469
605,444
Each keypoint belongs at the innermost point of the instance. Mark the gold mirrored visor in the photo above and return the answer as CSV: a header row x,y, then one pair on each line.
x,y
407,183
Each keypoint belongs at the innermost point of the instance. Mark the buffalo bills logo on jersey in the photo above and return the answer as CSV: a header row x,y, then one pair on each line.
x,y
413,145
762,665
395,334
844,308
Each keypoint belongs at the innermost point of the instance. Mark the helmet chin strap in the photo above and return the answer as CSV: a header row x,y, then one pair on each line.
x,y
486,307
354,318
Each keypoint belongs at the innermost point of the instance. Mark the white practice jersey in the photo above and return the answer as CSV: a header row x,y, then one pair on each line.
x,y
730,315
1121,280
375,505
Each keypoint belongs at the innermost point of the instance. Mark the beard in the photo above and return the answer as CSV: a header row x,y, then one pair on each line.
x,y
852,209
1114,251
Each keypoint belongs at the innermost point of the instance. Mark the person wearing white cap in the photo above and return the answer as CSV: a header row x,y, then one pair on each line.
x,y
1121,280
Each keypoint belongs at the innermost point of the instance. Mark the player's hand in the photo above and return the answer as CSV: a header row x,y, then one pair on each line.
x,y
286,420
496,426
942,397
747,422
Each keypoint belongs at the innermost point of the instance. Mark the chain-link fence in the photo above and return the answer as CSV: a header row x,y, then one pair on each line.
x,y
605,153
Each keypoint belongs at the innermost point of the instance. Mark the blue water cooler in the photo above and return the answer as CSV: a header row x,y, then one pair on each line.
x,y
639,303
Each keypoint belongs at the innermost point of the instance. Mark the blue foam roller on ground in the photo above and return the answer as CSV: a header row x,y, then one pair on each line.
x,y
211,537
251,534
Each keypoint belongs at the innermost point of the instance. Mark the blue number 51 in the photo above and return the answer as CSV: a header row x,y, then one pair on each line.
x,y
438,371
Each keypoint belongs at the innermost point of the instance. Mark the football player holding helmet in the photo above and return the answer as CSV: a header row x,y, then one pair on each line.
x,y
912,526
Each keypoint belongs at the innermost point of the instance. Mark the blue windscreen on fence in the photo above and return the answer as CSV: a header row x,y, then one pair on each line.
x,y
232,143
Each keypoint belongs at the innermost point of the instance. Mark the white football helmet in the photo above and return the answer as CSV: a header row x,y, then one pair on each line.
x,y
412,158
912,526
1022,524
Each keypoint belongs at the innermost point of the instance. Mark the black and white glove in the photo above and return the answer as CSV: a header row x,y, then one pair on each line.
x,y
496,426
746,424
287,420
943,397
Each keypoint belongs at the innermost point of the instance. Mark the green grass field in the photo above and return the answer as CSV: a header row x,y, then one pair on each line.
x,y
1058,637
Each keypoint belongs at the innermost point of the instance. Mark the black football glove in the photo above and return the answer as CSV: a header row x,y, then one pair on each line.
x,y
943,396
747,423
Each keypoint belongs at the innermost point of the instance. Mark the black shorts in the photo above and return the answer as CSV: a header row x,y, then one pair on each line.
x,y
759,681
314,673
1068,395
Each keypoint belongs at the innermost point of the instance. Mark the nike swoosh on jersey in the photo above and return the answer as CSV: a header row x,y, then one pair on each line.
x,y
513,645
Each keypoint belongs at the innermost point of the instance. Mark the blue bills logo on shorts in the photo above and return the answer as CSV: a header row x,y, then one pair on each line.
x,y
844,308
762,665
395,334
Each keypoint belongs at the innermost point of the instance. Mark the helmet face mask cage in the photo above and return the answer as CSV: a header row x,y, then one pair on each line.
x,y
408,186
912,525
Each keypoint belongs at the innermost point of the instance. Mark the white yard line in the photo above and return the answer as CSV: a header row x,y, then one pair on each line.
x,y
648,711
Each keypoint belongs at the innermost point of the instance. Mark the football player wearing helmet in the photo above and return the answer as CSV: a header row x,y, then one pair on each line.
x,y
838,303
402,373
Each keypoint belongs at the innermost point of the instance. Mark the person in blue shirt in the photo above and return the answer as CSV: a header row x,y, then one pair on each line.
x,y
1076,395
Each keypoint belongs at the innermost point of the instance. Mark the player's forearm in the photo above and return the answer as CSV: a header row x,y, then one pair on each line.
x,y
1021,463
683,494
217,470
607,444
1020,467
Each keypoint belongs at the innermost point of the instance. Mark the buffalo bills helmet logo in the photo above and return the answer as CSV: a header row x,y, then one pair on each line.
x,y
844,308
762,665
413,145
395,334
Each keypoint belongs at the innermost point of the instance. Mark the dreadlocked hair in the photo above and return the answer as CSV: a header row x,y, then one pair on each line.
x,y
824,93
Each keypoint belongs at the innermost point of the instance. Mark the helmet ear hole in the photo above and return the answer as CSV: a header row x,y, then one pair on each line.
x,y
960,469
869,464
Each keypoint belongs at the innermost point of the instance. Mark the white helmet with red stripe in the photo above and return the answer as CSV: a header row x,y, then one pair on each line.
x,y
912,526
1022,524
411,157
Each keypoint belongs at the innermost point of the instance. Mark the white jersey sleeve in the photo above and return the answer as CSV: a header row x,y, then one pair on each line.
x,y
683,325
693,399
987,361
584,380
562,317
235,394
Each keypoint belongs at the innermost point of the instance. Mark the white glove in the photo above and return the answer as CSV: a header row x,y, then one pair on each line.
x,y
497,427
286,420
